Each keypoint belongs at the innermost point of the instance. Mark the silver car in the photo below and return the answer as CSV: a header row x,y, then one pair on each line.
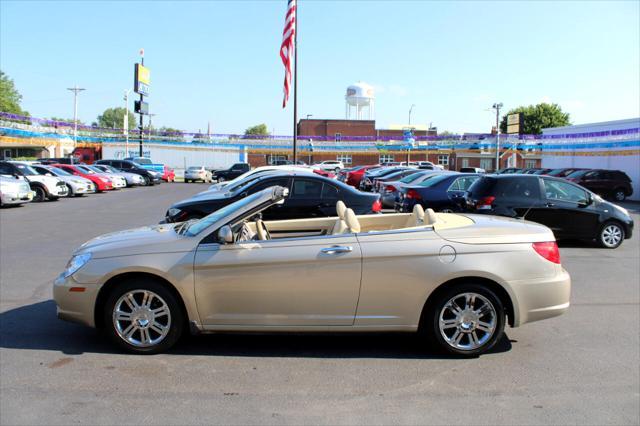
x,y
14,190
457,279
132,179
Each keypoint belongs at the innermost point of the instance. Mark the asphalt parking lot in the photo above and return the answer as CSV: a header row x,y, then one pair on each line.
x,y
580,368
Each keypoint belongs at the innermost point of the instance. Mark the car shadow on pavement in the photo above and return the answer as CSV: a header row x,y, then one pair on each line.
x,y
35,327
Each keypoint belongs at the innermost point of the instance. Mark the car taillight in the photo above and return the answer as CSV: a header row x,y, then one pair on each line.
x,y
485,202
412,194
390,188
377,206
548,250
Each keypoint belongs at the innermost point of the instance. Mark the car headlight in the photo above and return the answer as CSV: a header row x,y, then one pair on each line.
x,y
76,263
173,212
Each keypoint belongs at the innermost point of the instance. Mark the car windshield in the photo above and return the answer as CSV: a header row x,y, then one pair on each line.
x,y
194,228
95,169
26,170
556,172
58,172
412,177
242,183
86,170
427,183
577,174
143,161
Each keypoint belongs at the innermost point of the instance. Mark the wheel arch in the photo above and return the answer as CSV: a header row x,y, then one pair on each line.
x,y
112,282
497,288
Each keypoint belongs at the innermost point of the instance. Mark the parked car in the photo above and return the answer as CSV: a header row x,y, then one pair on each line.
x,y
14,190
101,182
366,183
390,192
117,180
509,170
570,210
59,160
428,165
380,181
543,171
612,184
311,196
258,171
563,172
232,271
197,173
77,185
146,163
131,179
287,163
169,175
355,176
442,193
530,171
330,166
472,170
232,172
150,177
44,187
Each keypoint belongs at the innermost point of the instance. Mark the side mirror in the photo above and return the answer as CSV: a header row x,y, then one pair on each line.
x,y
225,235
587,202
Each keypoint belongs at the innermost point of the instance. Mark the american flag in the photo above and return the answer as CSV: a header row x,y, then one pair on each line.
x,y
286,49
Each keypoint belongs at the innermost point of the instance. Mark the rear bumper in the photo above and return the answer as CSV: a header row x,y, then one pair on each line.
x,y
542,298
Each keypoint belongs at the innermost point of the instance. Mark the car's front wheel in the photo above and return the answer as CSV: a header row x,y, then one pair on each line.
x,y
40,194
619,195
611,235
143,317
465,320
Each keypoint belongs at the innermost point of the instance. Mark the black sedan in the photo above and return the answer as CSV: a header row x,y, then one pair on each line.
x,y
441,192
311,195
570,210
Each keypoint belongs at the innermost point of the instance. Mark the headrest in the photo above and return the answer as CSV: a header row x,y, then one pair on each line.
x,y
352,221
430,217
418,212
341,208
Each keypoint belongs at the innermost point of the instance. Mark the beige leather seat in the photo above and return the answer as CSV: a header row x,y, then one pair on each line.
x,y
260,230
340,226
416,218
430,217
353,225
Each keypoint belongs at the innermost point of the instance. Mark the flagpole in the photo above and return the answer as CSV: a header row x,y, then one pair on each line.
x,y
295,88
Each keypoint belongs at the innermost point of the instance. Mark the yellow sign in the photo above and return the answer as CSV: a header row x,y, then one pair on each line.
x,y
142,80
144,75
513,128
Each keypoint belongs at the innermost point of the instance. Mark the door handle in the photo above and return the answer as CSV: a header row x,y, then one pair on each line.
x,y
337,249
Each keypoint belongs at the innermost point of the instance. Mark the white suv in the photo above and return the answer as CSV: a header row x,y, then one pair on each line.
x,y
45,187
330,166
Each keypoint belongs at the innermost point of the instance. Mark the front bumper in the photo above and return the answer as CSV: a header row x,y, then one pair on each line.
x,y
542,298
19,197
87,188
60,191
74,305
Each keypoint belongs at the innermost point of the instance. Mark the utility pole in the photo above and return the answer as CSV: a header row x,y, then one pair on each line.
x,y
150,117
75,89
411,109
126,123
497,107
141,115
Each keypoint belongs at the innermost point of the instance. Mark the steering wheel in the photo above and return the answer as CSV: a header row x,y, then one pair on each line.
x,y
262,231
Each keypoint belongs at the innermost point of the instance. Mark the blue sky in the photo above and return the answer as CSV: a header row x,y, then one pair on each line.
x,y
217,61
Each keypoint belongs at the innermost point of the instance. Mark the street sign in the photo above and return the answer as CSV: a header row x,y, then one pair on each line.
x,y
142,80
141,107
515,122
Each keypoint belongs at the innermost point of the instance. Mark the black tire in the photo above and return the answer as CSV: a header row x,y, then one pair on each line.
x,y
337,170
147,181
177,316
53,198
430,323
71,193
40,194
610,235
619,194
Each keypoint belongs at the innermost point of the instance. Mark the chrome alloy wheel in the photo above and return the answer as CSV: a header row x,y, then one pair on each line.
x,y
611,235
467,321
141,318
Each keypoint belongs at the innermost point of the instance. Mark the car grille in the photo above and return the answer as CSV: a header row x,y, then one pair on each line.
x,y
61,184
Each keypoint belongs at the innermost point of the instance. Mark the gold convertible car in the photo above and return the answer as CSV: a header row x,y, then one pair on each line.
x,y
457,279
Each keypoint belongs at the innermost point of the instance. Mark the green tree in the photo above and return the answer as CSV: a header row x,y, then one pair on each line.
x,y
10,98
538,117
114,118
258,130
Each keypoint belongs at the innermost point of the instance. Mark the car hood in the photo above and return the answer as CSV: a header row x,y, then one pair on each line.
x,y
203,196
144,240
486,229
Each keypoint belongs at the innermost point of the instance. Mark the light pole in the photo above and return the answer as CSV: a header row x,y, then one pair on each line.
x,y
150,117
497,107
411,109
126,123
75,89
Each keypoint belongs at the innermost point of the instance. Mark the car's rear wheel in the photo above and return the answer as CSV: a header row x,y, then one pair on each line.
x,y
40,194
611,235
465,320
143,317
147,181
619,194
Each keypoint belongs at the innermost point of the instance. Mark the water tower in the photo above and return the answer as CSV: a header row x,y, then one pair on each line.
x,y
360,97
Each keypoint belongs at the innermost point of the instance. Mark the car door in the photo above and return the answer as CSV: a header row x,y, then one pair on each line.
x,y
457,190
569,210
311,281
329,198
304,200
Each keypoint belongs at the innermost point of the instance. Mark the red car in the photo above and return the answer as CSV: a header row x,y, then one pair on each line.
x,y
102,183
169,174
324,173
355,176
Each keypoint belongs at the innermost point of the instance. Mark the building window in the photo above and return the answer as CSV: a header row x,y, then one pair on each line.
x,y
486,163
338,137
465,162
345,158
443,160
530,164
385,158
